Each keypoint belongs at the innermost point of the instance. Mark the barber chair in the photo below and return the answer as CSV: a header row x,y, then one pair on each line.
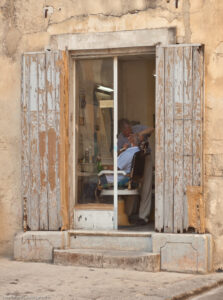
x,y
128,186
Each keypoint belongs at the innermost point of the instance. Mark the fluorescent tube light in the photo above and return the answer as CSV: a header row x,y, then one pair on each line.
x,y
104,88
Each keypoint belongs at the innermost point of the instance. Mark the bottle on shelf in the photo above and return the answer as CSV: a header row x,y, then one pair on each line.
x,y
90,155
86,155
99,165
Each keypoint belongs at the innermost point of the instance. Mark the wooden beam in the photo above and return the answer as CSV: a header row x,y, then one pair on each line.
x,y
64,141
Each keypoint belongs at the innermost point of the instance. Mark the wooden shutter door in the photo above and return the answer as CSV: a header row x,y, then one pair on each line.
x,y
179,104
45,139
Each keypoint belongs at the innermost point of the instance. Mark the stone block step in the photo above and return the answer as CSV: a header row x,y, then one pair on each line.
x,y
131,260
110,240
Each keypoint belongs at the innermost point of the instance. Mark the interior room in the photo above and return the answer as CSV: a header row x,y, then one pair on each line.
x,y
95,125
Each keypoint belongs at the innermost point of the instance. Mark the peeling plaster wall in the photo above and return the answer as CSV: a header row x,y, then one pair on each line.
x,y
26,26
207,27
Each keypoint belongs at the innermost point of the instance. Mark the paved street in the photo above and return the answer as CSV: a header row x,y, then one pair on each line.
x,y
214,294
39,281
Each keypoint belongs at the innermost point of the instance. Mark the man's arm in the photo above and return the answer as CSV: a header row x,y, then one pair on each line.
x,y
146,131
125,146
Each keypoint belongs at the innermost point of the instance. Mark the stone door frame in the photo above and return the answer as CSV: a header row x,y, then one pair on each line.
x,y
101,44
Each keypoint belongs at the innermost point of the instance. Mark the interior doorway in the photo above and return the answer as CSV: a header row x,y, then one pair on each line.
x,y
136,103
102,100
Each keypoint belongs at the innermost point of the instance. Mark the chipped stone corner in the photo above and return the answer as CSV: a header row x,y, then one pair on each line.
x,y
186,253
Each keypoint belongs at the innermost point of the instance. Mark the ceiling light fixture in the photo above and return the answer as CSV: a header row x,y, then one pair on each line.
x,y
104,88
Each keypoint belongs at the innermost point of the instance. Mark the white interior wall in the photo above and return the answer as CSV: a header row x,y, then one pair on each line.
x,y
137,92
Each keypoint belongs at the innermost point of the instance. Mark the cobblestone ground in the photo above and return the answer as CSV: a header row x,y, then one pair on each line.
x,y
39,281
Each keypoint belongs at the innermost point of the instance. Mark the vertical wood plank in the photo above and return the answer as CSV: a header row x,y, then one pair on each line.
x,y
187,163
77,130
64,140
57,60
34,146
178,83
197,114
72,137
65,127
178,140
187,150
52,142
187,81
43,141
25,155
169,140
188,107
178,176
159,142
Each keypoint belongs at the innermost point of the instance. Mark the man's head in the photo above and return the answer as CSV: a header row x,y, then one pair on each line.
x,y
125,127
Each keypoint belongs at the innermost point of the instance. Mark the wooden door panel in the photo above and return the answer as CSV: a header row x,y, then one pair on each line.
x,y
179,106
42,142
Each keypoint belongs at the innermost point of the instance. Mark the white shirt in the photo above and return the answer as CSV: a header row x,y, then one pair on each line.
x,y
125,159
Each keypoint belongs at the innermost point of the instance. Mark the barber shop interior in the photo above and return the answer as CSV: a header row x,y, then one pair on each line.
x,y
132,119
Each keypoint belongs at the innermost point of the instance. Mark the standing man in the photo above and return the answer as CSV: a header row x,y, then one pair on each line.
x,y
126,130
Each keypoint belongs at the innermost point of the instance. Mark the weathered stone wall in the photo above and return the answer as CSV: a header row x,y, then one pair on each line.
x,y
24,26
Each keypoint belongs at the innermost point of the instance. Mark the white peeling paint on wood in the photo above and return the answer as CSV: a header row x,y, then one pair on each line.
x,y
34,145
187,182
43,141
40,139
168,139
187,83
178,176
187,165
197,114
187,113
52,140
178,139
57,58
159,178
25,131
179,98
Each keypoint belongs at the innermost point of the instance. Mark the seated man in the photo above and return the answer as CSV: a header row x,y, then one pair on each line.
x,y
124,162
126,130
146,192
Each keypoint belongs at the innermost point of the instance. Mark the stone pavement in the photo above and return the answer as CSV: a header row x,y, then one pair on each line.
x,y
40,281
214,294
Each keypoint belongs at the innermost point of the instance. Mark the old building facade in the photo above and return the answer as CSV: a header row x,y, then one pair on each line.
x,y
47,26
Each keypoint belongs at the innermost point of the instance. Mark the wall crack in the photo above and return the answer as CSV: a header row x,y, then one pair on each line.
x,y
110,15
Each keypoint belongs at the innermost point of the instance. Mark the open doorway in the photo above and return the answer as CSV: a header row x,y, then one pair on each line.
x,y
96,149
136,103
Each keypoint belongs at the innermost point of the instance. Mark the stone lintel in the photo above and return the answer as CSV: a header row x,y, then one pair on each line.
x,y
114,39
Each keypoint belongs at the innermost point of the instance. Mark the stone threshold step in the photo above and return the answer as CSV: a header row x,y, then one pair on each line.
x,y
115,233
131,260
106,241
